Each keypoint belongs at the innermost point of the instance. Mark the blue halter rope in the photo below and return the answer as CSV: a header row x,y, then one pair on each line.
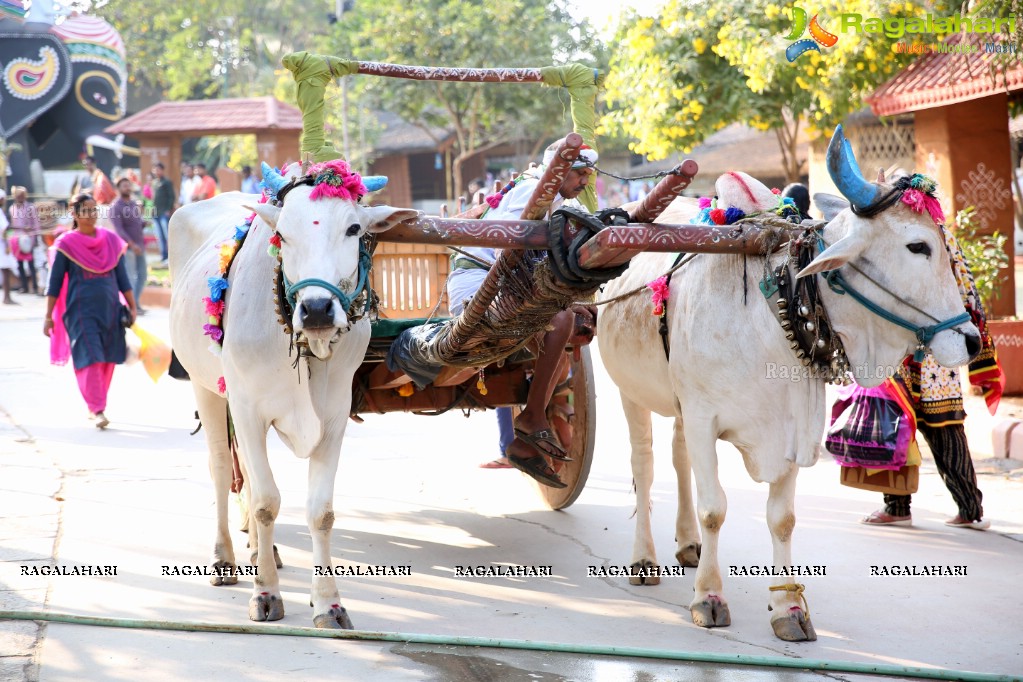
x,y
346,300
838,284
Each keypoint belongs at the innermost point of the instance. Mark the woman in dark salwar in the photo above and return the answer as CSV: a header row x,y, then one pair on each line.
x,y
83,307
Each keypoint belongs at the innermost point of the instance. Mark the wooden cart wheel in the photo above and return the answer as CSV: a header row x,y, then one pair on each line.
x,y
584,427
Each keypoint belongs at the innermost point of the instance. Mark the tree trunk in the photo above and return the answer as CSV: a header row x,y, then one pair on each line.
x,y
787,136
456,173
456,165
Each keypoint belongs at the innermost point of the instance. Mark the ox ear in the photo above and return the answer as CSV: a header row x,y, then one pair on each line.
x,y
268,212
835,256
830,205
382,218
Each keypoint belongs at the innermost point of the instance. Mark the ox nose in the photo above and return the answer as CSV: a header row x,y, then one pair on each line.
x,y
972,345
316,313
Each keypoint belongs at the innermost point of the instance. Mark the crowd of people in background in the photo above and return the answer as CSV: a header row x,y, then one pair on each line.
x,y
137,211
96,267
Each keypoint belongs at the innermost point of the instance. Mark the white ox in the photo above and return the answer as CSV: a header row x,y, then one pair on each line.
x,y
309,408
718,383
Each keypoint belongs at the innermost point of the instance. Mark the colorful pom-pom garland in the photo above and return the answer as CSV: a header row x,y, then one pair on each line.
x,y
494,200
659,297
711,214
214,303
919,196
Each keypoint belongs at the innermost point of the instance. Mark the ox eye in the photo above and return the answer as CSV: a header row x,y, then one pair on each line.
x,y
353,229
920,248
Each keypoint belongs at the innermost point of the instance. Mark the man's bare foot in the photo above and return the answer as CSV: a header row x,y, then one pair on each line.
x,y
499,463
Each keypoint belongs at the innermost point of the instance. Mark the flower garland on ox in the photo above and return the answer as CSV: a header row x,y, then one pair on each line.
x,y
214,303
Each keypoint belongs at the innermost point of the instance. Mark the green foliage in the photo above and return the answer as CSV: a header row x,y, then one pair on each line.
x,y
985,255
467,33
681,76
192,49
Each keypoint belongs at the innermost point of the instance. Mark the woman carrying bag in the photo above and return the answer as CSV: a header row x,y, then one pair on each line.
x,y
85,319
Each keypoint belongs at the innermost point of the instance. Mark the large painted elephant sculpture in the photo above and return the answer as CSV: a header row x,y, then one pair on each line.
x,y
60,84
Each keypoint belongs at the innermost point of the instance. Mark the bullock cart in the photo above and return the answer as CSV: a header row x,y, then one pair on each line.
x,y
314,276
479,359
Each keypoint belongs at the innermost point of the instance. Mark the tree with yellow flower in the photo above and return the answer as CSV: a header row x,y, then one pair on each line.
x,y
679,77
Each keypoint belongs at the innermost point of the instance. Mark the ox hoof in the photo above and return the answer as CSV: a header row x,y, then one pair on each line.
x,y
794,627
224,573
266,606
689,556
712,612
647,567
335,619
277,558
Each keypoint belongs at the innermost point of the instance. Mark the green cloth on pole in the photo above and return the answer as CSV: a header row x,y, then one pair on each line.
x,y
582,82
312,73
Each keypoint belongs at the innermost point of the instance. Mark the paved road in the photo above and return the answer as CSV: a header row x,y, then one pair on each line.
x,y
409,494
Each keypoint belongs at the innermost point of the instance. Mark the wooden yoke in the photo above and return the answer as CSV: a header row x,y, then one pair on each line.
x,y
616,245
463,329
664,193
649,209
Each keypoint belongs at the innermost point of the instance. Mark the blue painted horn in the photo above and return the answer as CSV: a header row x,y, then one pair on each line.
x,y
845,173
271,178
374,183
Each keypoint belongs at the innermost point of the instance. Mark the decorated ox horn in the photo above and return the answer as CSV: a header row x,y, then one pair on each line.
x,y
374,183
845,173
272,178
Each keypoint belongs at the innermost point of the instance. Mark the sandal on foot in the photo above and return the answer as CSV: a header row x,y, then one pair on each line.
x,y
101,421
499,463
547,436
883,518
979,524
537,469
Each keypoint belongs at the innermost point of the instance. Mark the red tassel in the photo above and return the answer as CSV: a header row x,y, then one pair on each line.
x,y
718,216
494,200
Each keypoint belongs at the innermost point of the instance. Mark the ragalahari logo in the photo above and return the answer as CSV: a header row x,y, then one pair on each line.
x,y
818,36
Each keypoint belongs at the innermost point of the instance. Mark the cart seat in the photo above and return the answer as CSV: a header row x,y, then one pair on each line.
x,y
383,329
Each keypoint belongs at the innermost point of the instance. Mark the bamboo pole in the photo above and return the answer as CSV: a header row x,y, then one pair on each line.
x,y
444,73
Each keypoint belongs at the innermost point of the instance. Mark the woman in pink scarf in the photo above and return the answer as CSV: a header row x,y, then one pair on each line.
x,y
83,306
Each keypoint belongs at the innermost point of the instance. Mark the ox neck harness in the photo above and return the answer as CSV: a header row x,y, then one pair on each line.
x,y
356,305
806,323
801,313
918,192
924,334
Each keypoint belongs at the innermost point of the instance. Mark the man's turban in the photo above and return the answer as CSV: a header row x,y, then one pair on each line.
x,y
587,155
